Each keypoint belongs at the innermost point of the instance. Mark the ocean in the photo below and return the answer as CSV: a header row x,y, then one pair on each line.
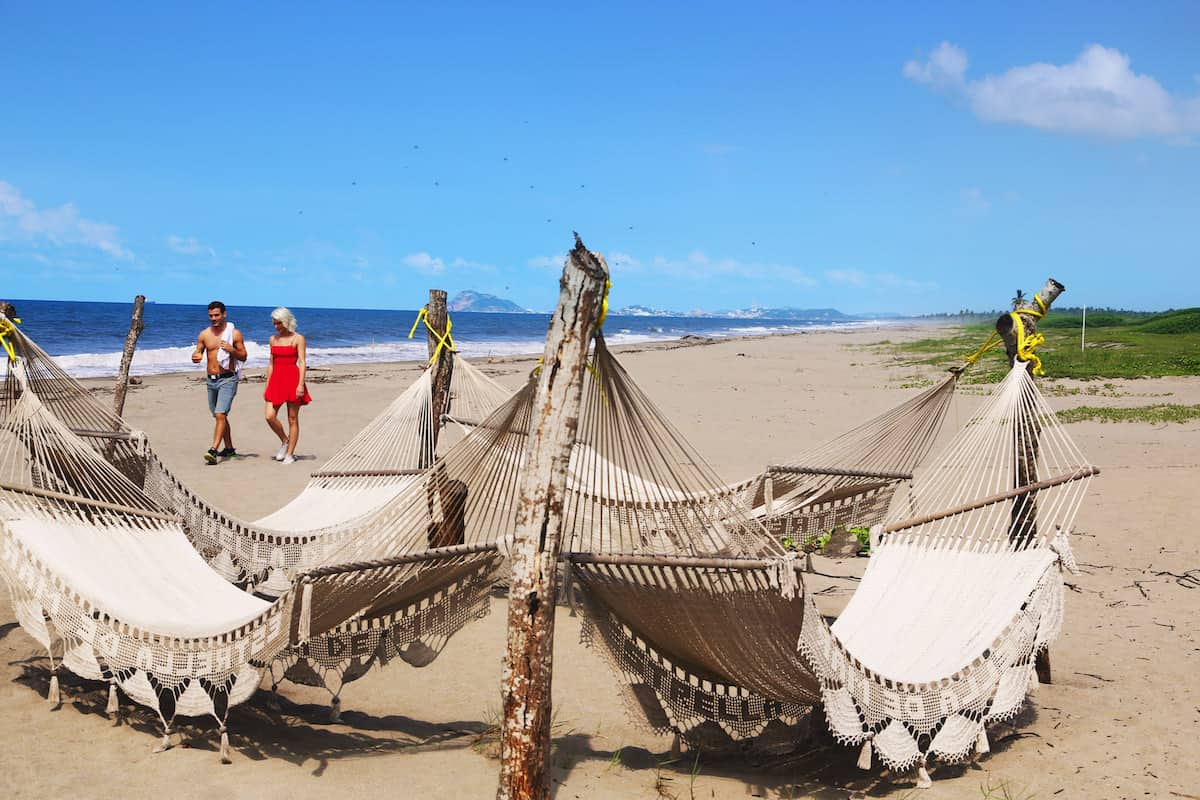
x,y
86,338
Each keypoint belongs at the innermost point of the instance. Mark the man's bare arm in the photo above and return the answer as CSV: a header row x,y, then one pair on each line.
x,y
238,350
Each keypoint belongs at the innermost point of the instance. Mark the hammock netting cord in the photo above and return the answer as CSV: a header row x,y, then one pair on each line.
x,y
689,596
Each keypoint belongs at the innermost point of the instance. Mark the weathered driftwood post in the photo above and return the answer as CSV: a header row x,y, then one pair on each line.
x,y
435,331
131,338
525,689
449,529
1023,528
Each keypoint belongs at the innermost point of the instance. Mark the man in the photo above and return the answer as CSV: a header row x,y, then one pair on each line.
x,y
226,350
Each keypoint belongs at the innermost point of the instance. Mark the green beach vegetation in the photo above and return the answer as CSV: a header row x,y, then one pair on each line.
x,y
1118,344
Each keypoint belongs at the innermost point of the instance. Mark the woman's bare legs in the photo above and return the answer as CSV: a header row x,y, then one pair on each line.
x,y
272,417
293,435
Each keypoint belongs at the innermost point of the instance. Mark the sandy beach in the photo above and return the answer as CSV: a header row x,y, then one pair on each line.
x,y
1119,721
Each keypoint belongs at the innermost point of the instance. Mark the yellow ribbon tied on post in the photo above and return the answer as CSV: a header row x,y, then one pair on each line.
x,y
6,327
443,341
1027,344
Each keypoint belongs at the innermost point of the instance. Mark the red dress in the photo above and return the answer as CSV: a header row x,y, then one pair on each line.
x,y
284,377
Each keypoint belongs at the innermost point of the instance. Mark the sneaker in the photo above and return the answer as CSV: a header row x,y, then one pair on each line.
x,y
210,457
288,460
228,452
280,453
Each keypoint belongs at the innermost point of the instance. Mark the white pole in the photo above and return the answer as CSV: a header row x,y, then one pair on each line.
x,y
1083,331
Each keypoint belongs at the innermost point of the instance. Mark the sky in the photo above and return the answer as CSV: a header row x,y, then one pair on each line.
x,y
910,158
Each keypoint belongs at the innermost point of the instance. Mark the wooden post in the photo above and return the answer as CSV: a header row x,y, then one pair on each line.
x,y
436,322
528,663
1023,528
131,338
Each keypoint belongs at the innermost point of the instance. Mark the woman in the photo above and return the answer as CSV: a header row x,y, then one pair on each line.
x,y
285,382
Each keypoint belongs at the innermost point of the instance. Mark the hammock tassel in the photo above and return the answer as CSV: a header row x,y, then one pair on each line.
x,y
225,759
165,743
981,742
785,575
808,565
114,704
304,626
1033,680
53,697
223,565
865,755
923,779
335,709
276,584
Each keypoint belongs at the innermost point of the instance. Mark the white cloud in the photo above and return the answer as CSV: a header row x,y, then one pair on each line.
x,y
945,66
622,261
548,262
432,265
697,266
189,246
1098,93
855,279
877,281
423,262
60,226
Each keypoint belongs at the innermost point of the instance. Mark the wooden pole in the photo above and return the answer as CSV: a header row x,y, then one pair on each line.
x,y
528,663
131,338
436,322
1023,528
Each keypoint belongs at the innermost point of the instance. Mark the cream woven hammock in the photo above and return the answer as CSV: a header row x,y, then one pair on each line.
x,y
353,491
701,612
102,573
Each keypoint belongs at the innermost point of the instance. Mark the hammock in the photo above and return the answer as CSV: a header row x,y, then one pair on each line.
x,y
850,481
351,493
700,611
93,561
362,477
962,591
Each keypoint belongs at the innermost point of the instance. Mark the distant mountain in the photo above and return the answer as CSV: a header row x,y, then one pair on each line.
x,y
477,301
754,312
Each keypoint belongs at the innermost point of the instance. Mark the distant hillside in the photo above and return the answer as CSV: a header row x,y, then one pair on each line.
x,y
754,312
477,301
1185,320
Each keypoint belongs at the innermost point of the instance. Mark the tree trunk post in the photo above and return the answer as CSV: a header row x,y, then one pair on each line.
x,y
435,329
528,663
1023,528
131,339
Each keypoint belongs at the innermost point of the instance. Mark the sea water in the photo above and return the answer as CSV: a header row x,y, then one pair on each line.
x,y
87,338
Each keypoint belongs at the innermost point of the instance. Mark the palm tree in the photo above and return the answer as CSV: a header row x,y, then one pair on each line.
x,y
1018,299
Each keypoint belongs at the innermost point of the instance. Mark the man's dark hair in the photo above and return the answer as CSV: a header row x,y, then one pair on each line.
x,y
217,304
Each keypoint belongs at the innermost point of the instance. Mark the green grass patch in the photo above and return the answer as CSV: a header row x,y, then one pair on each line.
x,y
1118,345
1157,414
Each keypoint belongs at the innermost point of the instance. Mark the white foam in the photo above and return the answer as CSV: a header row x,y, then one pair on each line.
x,y
157,361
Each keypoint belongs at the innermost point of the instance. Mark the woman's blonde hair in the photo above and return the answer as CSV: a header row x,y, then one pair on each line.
x,y
288,319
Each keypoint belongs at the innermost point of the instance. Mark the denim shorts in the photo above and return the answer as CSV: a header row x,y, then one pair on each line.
x,y
221,391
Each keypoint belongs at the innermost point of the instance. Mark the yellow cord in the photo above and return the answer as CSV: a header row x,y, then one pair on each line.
x,y
603,306
992,341
6,328
443,341
1027,344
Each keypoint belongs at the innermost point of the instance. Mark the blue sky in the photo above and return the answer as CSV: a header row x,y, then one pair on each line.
x,y
912,158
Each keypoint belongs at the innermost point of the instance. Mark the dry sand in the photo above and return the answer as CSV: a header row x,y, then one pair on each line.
x,y
1120,720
